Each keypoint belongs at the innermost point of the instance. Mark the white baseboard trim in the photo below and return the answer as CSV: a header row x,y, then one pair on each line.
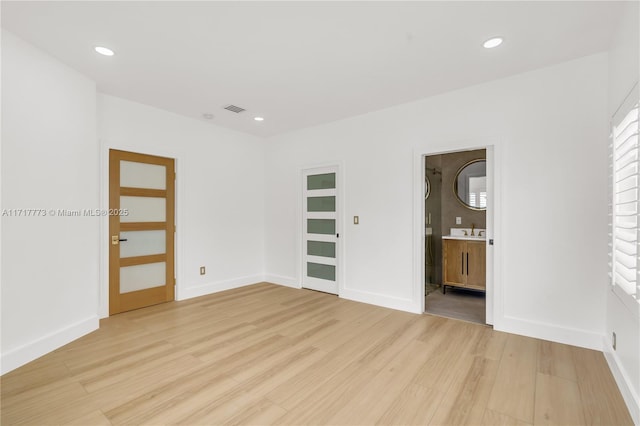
x,y
630,396
383,300
21,355
214,287
283,281
551,332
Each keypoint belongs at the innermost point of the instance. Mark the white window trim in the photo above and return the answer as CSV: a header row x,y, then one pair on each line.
x,y
630,299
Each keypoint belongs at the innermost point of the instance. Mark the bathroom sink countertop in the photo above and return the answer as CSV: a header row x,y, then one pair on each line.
x,y
465,234
464,237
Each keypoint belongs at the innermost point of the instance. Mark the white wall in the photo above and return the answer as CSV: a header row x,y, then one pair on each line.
x,y
49,161
54,269
547,127
624,59
219,192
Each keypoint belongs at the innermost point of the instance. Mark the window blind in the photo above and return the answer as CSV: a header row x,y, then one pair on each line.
x,y
624,167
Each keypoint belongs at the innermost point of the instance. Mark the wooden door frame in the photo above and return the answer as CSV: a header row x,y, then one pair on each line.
x,y
105,237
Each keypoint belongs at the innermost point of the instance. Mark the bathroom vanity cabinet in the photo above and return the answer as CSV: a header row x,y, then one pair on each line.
x,y
464,263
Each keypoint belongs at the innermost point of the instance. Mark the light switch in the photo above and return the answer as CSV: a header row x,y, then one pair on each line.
x,y
356,220
202,270
458,220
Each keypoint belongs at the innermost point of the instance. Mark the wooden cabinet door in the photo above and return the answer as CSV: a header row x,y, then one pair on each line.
x,y
475,264
454,262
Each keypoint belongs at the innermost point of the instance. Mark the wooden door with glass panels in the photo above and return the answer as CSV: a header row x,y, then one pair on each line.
x,y
320,230
141,255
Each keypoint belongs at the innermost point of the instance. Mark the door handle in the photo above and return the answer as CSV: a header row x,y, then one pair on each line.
x,y
115,239
467,262
462,263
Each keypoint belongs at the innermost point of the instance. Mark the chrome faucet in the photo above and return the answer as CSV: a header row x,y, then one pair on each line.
x,y
473,227
480,233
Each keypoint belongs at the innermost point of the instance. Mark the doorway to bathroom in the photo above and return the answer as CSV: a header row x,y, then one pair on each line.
x,y
457,197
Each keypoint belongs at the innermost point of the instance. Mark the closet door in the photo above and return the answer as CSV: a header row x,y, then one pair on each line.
x,y
320,229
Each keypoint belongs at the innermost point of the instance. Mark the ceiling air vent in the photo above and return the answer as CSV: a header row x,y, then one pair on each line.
x,y
234,108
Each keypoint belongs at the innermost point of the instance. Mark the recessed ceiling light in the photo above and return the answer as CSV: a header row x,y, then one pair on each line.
x,y
492,42
104,51
207,116
258,118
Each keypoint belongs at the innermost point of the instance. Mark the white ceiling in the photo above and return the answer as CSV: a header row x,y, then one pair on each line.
x,y
300,64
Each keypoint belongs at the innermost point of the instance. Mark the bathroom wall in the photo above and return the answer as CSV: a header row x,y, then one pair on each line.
x,y
443,206
451,207
433,211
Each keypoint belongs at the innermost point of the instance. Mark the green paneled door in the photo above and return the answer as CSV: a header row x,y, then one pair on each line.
x,y
321,235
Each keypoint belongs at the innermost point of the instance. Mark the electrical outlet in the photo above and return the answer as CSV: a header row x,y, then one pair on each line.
x,y
458,220
202,270
613,341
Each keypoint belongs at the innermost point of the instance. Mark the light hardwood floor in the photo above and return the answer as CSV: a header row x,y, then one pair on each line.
x,y
266,354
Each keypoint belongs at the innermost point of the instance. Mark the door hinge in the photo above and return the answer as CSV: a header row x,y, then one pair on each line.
x,y
174,281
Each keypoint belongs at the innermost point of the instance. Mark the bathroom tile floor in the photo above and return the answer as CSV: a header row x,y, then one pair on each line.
x,y
457,303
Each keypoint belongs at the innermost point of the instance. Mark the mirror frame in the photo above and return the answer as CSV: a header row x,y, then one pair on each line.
x,y
427,190
455,185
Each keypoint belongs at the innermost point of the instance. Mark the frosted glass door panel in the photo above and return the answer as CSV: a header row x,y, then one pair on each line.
x,y
142,175
143,209
321,226
321,204
140,277
321,248
324,272
322,181
142,243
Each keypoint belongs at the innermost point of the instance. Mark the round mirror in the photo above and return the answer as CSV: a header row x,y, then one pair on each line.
x,y
427,188
470,184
